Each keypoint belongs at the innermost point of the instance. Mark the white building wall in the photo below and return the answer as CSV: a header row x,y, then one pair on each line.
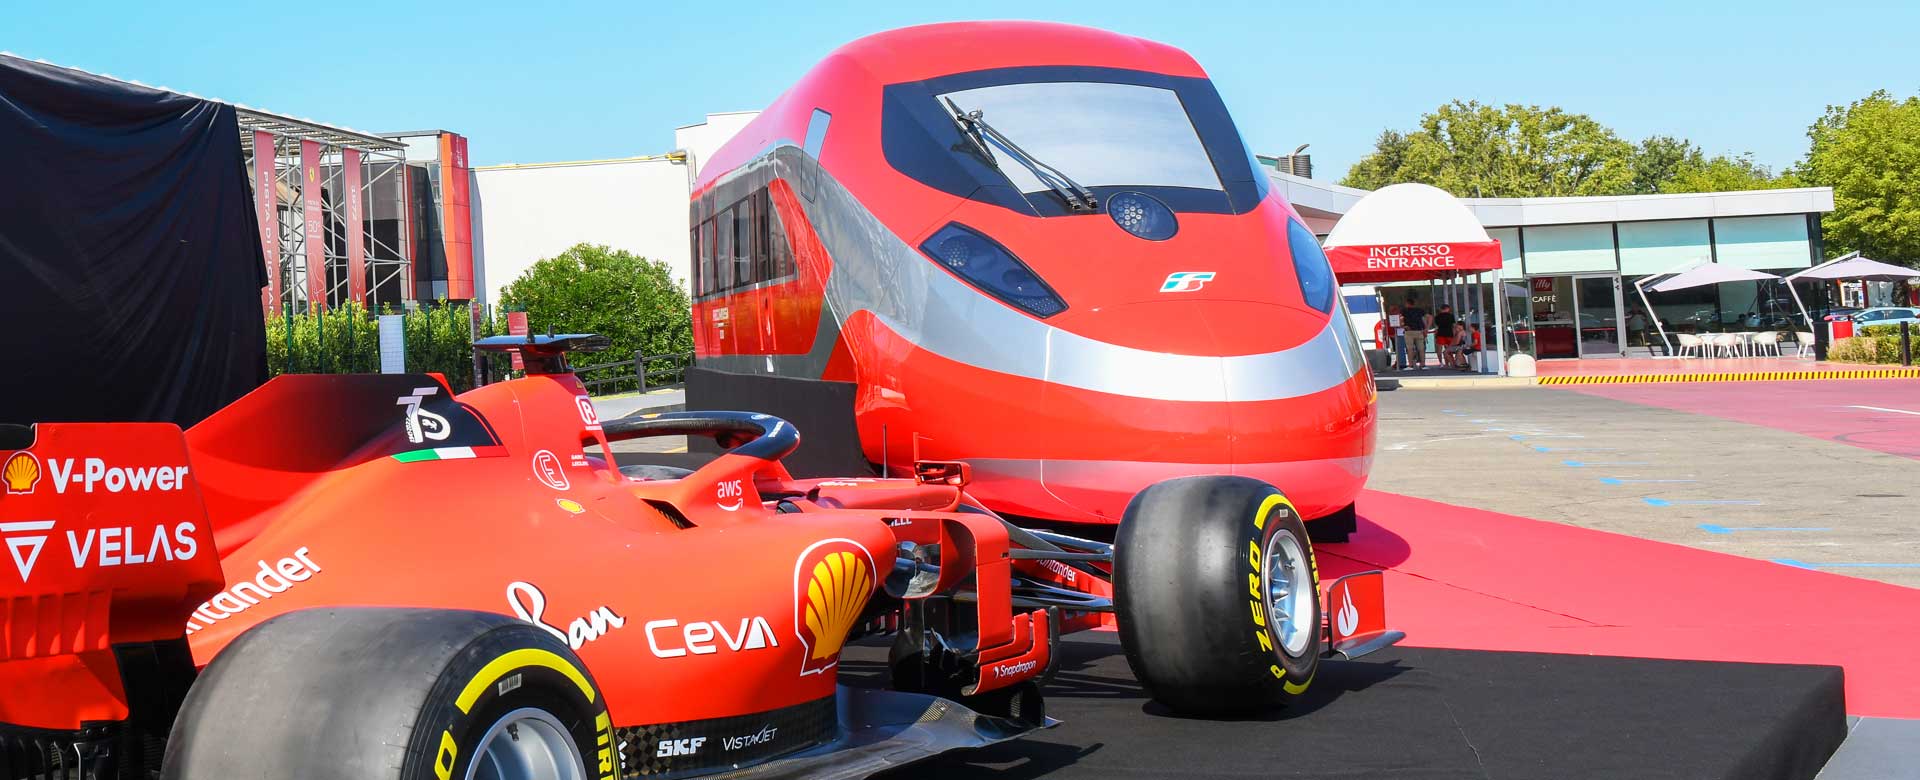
x,y
524,213
702,140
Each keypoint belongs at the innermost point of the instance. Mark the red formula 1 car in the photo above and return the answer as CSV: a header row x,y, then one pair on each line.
x,y
1025,221
377,579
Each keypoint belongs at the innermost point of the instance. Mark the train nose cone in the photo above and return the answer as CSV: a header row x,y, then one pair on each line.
x,y
1207,387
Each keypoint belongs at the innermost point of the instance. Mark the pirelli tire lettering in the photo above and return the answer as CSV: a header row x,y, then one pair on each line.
x,y
451,686
1201,564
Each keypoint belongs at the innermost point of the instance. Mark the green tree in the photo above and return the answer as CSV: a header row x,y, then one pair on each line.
x,y
596,289
1722,174
1473,150
1470,149
1659,158
1869,153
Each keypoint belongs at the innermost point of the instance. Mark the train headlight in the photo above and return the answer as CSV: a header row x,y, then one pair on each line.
x,y
1142,216
990,267
1310,267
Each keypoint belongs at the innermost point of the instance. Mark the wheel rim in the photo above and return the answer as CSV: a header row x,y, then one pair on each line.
x,y
527,744
1290,596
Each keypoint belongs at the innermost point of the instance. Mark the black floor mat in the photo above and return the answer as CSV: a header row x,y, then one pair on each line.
x,y
1418,713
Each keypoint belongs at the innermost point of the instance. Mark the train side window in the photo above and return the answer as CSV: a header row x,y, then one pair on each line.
x,y
694,244
708,282
723,251
782,261
763,255
742,244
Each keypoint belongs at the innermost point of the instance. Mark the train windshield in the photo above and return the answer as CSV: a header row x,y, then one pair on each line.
x,y
1107,130
1102,135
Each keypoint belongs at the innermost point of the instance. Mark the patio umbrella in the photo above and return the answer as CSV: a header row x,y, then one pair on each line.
x,y
1699,273
1851,266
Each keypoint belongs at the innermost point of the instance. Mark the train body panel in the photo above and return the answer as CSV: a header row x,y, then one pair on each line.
x,y
1186,323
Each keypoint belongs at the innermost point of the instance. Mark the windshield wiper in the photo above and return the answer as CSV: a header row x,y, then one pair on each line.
x,y
976,129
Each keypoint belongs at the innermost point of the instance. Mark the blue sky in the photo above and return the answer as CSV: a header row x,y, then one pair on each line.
x,y
555,80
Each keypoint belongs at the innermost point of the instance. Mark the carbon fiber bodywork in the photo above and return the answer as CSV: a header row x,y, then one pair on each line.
x,y
671,750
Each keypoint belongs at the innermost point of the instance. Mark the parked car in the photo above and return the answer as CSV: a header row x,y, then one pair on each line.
x,y
1886,315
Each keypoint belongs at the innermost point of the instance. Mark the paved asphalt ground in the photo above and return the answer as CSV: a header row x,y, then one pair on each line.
x,y
1783,485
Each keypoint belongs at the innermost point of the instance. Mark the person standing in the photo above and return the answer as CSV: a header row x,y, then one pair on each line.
x,y
1443,333
1397,337
1418,322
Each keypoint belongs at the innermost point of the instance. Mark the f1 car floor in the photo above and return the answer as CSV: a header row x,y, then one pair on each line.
x,y
1533,649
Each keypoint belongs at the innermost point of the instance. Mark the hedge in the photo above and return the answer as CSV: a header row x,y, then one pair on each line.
x,y
347,340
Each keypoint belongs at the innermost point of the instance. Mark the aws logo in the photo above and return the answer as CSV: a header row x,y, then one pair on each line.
x,y
1186,281
21,472
831,581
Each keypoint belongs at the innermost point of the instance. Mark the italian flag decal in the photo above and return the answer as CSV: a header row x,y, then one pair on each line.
x,y
450,453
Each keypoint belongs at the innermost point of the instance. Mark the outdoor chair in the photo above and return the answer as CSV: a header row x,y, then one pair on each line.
x,y
1729,343
1766,340
1803,340
1691,343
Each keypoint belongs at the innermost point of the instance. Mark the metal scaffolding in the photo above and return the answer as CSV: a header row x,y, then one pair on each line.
x,y
383,193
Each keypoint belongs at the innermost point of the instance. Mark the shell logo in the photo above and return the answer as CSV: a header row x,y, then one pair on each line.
x,y
21,472
831,581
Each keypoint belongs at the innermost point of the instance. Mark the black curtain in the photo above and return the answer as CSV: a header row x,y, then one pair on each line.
x,y
130,266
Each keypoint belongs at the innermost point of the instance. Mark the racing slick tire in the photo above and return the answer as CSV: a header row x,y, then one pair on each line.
x,y
408,694
1217,595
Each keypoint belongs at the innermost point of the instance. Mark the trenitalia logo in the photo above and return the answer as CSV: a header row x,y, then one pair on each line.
x,y
832,580
1186,281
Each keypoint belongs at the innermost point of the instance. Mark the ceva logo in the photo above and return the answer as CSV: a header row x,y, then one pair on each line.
x,y
1186,281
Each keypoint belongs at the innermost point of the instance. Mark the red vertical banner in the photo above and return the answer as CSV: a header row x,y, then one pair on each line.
x,y
266,208
356,225
315,218
457,216
517,325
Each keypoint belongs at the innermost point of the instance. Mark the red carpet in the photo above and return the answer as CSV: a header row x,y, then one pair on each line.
x,y
1828,409
1469,579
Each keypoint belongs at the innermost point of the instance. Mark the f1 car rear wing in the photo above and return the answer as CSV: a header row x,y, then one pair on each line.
x,y
544,354
105,549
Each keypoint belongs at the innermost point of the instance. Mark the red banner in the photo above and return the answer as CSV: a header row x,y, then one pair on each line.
x,y
1404,262
356,226
266,209
315,233
517,325
456,216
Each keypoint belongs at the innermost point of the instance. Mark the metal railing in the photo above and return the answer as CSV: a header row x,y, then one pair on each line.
x,y
642,373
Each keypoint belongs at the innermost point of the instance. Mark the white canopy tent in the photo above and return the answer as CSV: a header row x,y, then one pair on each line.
x,y
1701,273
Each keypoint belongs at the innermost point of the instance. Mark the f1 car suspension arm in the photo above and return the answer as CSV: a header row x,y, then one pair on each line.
x,y
1058,555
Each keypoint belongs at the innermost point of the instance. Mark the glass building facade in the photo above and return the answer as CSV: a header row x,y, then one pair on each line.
x,y
1570,288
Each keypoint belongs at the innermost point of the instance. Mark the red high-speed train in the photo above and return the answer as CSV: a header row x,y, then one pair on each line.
x,y
1040,249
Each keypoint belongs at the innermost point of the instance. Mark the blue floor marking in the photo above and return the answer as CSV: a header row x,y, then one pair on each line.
x,y
1721,529
1670,502
1576,449
1624,481
1582,464
1805,565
